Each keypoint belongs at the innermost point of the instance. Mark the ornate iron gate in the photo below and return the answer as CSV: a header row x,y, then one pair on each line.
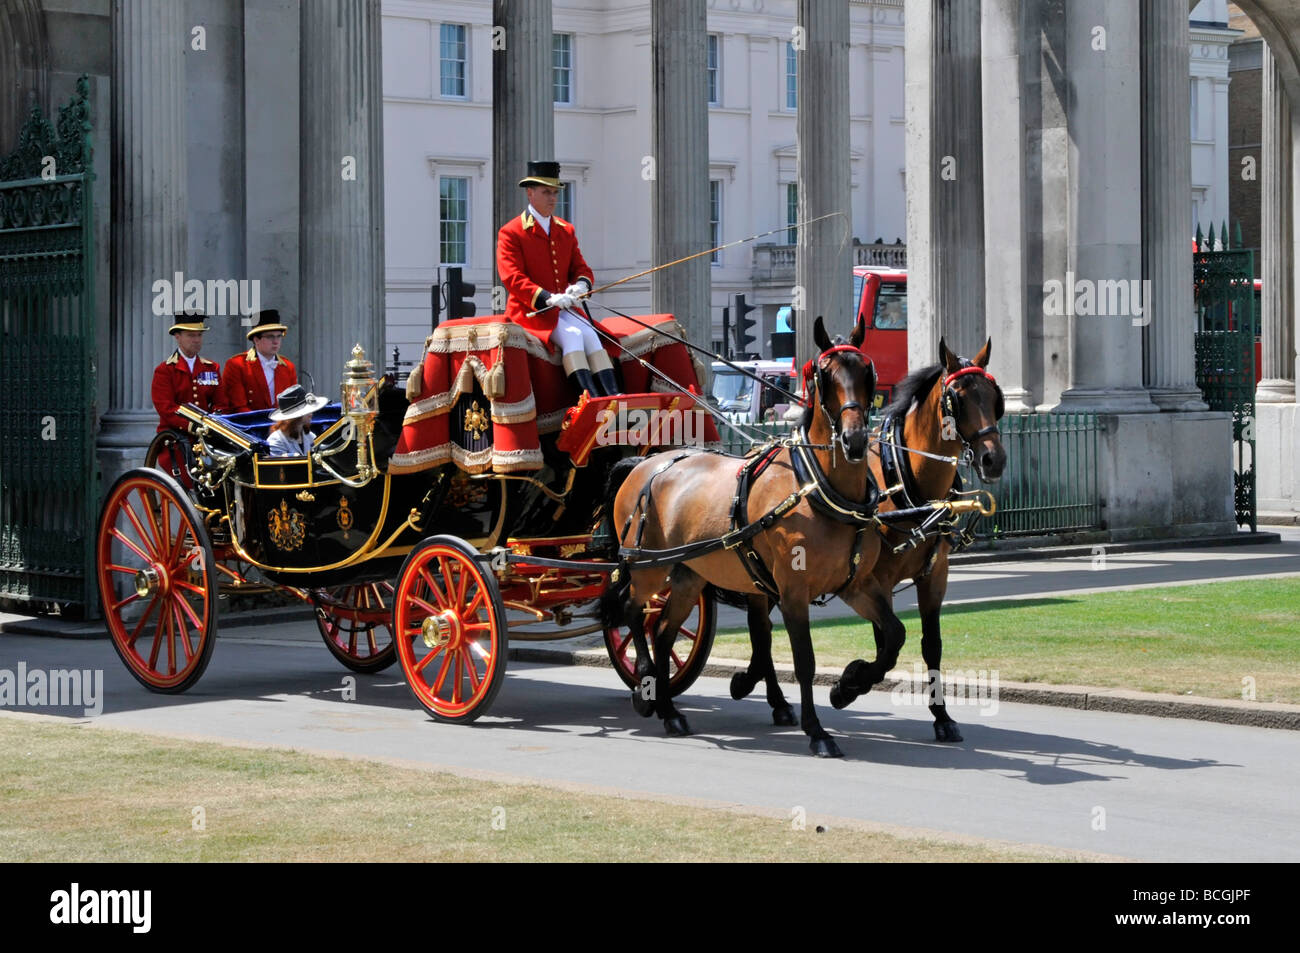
x,y
48,479
1227,328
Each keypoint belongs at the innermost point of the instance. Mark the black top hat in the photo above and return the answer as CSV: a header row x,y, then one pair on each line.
x,y
543,173
294,401
268,320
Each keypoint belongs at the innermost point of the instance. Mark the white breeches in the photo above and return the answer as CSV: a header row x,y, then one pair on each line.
x,y
575,333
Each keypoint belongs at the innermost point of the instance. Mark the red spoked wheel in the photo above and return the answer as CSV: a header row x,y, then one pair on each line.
x,y
157,581
356,624
690,649
450,627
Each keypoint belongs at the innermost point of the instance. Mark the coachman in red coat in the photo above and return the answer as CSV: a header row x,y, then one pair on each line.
x,y
186,377
245,375
543,270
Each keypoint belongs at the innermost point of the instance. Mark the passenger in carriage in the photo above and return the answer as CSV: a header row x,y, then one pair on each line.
x,y
543,270
255,376
185,377
290,436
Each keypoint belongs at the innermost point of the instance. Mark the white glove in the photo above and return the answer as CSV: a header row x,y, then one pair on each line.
x,y
561,301
578,290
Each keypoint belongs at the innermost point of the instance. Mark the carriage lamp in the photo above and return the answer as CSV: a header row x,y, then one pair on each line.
x,y
360,398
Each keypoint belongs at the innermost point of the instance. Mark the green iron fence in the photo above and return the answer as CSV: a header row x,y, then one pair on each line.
x,y
48,480
1049,484
1227,328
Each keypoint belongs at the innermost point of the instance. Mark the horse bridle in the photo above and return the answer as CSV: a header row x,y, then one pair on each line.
x,y
950,405
818,382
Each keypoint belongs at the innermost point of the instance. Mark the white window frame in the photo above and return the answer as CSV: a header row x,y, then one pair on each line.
x,y
715,225
787,75
791,215
465,79
467,220
568,191
714,41
571,69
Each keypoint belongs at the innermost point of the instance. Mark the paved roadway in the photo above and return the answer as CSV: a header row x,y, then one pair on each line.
x,y
1170,789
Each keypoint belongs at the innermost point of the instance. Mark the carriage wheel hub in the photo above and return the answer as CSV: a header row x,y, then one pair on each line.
x,y
148,581
440,629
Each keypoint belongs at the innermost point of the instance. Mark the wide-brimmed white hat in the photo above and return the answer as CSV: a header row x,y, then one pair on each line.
x,y
296,402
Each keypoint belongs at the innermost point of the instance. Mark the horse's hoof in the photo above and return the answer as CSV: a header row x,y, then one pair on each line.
x,y
825,748
784,716
676,726
840,696
645,707
946,731
741,686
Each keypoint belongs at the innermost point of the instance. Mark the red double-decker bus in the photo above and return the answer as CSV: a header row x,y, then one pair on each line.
x,y
880,297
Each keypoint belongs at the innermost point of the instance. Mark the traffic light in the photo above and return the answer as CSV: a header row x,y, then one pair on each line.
x,y
457,293
742,326
726,332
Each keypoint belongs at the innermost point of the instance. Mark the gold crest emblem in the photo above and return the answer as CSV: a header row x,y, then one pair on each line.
x,y
288,527
476,422
345,518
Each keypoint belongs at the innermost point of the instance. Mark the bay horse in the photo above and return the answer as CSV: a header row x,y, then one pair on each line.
x,y
794,498
945,409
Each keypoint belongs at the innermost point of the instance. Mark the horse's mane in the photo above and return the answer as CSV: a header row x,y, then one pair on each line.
x,y
913,388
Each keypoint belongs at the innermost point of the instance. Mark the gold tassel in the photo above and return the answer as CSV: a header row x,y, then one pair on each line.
x,y
495,385
415,383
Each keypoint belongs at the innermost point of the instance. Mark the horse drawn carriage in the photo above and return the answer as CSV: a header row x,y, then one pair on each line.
x,y
483,506
433,526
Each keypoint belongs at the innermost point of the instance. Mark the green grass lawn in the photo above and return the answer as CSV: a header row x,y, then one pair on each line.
x,y
85,794
1201,639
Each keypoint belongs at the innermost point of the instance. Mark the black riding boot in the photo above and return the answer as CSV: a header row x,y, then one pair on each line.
x,y
608,383
581,380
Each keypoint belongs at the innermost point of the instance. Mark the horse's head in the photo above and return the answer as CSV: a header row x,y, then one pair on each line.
x,y
844,381
972,401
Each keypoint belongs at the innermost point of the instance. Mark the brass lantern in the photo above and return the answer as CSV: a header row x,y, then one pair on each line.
x,y
360,397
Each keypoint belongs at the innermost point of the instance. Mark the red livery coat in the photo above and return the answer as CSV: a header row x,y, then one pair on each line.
x,y
245,382
532,264
173,385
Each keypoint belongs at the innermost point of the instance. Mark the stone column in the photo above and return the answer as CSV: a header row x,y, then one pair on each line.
x,y
523,112
679,192
1005,235
149,195
824,258
1277,322
1168,358
1105,208
341,229
945,199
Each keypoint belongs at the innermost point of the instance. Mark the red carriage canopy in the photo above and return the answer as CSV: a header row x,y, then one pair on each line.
x,y
525,389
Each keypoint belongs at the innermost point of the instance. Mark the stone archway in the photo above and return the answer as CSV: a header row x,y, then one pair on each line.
x,y
24,66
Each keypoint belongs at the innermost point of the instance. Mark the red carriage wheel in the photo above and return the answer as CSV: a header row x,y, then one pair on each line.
x,y
690,649
450,627
355,622
157,581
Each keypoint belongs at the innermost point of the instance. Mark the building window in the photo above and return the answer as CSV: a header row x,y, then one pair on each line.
x,y
452,53
791,77
564,205
791,213
714,98
453,221
715,219
562,66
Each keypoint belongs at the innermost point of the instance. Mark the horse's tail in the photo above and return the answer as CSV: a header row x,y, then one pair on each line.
x,y
613,601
